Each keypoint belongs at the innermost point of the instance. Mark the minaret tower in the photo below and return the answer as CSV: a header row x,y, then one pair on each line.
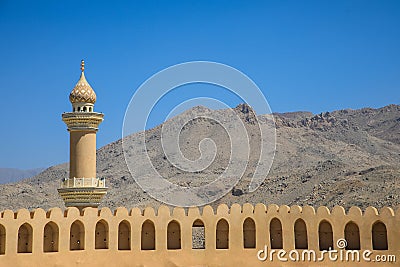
x,y
82,188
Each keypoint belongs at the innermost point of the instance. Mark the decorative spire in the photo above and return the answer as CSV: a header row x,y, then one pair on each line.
x,y
82,92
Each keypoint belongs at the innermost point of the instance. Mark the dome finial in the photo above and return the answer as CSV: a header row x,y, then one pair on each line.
x,y
82,92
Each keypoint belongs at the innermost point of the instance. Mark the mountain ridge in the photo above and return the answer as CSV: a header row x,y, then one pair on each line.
x,y
9,175
345,157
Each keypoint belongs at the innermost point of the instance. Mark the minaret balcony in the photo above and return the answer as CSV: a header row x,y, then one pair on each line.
x,y
83,182
82,120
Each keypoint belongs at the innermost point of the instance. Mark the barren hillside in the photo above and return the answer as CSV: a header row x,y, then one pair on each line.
x,y
345,157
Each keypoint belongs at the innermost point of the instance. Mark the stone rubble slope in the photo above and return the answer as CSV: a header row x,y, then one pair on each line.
x,y
346,157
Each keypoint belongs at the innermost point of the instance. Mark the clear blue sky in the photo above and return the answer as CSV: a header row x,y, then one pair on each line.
x,y
304,55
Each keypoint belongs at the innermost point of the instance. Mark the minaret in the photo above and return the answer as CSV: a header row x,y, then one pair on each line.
x,y
82,188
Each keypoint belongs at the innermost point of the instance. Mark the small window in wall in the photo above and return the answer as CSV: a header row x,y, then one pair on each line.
x,y
84,109
379,236
2,240
148,240
101,237
249,233
325,234
300,235
50,237
222,241
77,236
79,108
198,235
173,235
124,236
275,230
90,109
25,238
352,236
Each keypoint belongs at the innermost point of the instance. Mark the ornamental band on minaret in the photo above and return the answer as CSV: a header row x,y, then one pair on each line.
x,y
82,188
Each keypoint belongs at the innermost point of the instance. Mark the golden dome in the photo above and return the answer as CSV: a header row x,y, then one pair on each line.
x,y
82,92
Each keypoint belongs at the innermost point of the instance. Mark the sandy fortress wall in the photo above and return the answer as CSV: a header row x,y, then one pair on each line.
x,y
236,236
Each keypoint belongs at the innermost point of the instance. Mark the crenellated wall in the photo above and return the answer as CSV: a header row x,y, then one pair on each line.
x,y
232,236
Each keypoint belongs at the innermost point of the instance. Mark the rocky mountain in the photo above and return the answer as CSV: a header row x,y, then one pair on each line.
x,y
9,175
345,157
